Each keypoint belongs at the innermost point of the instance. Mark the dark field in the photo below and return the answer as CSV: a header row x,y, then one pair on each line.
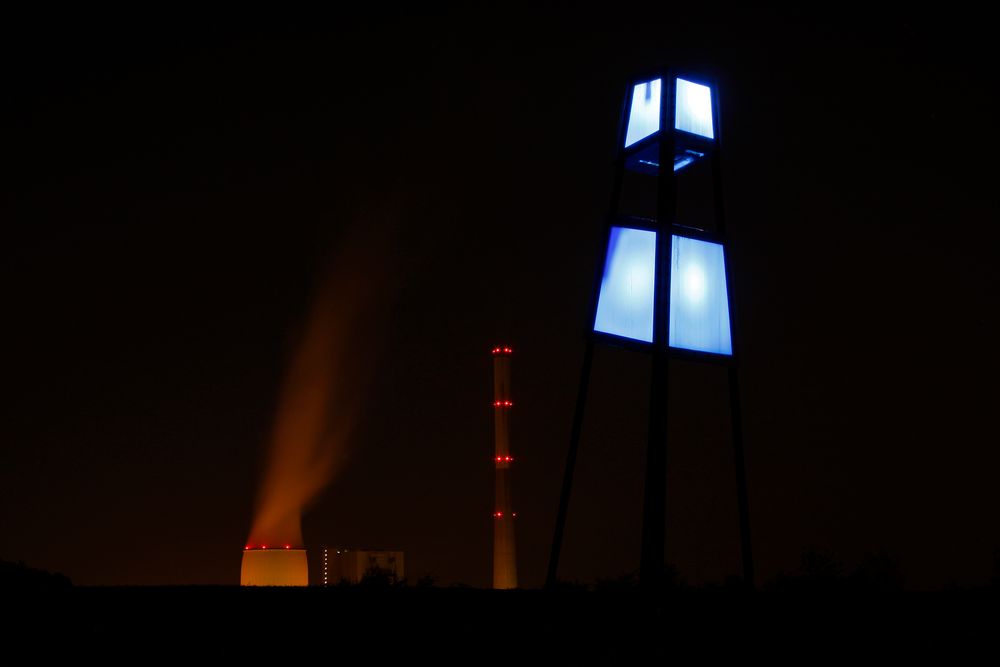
x,y
407,623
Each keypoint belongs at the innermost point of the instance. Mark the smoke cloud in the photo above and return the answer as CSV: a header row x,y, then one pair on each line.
x,y
324,388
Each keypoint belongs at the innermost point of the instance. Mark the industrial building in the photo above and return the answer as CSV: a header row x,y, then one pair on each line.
x,y
350,566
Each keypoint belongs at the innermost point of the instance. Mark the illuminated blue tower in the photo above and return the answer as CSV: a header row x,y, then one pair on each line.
x,y
664,286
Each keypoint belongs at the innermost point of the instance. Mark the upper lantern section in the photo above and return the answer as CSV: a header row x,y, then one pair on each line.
x,y
694,109
644,113
693,119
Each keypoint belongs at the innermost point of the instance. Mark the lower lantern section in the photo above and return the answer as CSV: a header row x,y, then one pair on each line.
x,y
698,303
699,300
274,567
626,301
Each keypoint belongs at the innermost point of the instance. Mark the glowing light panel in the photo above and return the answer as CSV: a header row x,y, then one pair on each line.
x,y
625,303
644,117
699,302
694,109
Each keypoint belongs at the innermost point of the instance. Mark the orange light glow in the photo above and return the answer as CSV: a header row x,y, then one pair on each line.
x,y
278,567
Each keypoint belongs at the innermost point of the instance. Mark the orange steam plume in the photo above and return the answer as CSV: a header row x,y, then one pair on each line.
x,y
322,392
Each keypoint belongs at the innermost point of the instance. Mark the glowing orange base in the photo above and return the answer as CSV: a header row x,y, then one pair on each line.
x,y
274,567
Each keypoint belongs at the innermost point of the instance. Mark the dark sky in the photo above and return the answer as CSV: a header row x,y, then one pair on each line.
x,y
173,185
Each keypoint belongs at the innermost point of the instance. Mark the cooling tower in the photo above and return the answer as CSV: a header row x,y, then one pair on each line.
x,y
282,566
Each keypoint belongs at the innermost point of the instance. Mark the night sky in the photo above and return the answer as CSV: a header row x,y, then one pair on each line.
x,y
174,186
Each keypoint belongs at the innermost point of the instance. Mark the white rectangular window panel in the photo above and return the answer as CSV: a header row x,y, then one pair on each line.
x,y
694,109
699,302
625,303
644,115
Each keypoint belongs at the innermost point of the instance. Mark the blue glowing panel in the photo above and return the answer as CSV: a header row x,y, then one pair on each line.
x,y
699,303
644,117
694,109
625,304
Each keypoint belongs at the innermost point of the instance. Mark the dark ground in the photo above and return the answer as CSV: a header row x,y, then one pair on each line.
x,y
373,623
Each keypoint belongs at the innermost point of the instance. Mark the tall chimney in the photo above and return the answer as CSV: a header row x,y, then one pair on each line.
x,y
504,561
